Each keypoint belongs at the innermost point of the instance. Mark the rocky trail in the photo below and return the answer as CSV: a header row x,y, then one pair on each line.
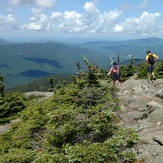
x,y
142,110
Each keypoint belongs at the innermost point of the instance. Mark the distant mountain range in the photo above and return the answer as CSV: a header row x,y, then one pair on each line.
x,y
22,63
136,47
3,42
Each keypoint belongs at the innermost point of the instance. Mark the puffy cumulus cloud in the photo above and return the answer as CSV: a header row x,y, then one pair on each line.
x,y
7,22
10,19
146,24
90,7
149,17
67,21
70,21
42,3
118,28
32,26
37,23
91,21
104,23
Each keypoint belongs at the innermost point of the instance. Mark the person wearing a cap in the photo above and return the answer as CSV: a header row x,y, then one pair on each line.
x,y
151,65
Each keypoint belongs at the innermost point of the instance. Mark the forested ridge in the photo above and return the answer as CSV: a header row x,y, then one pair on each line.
x,y
25,62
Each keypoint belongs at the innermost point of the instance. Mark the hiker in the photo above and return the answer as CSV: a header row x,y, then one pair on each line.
x,y
151,59
114,71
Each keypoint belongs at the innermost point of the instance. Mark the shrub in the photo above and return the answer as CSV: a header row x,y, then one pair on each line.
x,y
10,105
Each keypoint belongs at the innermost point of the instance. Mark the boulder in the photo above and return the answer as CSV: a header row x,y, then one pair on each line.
x,y
156,116
160,94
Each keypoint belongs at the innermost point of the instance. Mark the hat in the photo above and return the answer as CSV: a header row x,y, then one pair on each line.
x,y
148,51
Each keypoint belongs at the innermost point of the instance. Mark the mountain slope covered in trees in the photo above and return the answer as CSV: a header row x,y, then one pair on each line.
x,y
21,63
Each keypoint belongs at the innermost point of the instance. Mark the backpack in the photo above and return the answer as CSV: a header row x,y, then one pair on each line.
x,y
115,69
151,59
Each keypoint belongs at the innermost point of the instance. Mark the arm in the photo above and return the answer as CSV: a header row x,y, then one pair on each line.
x,y
156,57
110,71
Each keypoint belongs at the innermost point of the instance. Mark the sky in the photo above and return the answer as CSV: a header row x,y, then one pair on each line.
x,y
118,19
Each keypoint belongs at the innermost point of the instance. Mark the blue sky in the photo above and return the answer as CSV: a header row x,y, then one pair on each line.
x,y
117,19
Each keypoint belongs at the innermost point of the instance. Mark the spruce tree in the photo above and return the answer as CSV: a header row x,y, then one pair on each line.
x,y
2,86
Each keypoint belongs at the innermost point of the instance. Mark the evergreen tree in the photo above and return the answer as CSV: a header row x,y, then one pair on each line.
x,y
2,86
131,60
78,65
51,84
118,59
159,70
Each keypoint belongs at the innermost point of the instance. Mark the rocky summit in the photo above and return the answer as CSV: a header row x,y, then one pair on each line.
x,y
142,110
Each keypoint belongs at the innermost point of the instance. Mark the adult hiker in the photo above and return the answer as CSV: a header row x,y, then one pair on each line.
x,y
151,60
114,72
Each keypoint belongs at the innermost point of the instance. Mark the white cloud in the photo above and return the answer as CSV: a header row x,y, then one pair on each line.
x,y
46,3
21,2
118,28
146,24
10,19
36,11
143,5
7,22
67,21
149,17
37,24
42,3
90,7
91,21
124,7
32,26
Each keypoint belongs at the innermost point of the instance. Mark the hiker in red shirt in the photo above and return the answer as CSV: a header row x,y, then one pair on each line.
x,y
114,71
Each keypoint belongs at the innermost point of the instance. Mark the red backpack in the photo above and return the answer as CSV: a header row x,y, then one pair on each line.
x,y
115,69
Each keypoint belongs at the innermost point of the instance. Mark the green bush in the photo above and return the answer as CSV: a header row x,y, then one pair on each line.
x,y
18,156
10,105
78,124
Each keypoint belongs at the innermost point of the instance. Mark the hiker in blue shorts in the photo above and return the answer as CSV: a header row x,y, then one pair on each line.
x,y
151,60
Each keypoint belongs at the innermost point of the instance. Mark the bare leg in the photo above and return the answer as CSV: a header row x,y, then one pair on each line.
x,y
149,77
116,83
153,74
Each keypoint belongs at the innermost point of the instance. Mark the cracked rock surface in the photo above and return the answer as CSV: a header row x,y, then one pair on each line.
x,y
142,110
